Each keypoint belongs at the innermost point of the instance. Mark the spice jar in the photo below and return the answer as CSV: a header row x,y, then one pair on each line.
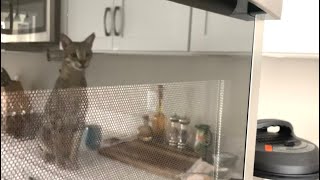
x,y
173,131
145,131
203,139
183,133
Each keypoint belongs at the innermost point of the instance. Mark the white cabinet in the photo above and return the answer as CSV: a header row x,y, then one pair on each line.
x,y
85,17
155,25
151,25
297,31
211,32
134,25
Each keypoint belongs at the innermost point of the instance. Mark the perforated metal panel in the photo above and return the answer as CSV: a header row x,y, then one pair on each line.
x,y
117,111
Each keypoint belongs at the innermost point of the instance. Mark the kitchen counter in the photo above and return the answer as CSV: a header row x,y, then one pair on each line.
x,y
21,160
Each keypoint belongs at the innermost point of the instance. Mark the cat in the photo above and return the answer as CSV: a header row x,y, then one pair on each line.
x,y
65,109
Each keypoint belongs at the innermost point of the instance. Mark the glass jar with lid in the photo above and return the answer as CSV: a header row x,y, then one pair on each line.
x,y
145,131
184,132
173,130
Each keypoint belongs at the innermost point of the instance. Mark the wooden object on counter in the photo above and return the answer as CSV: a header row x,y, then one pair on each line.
x,y
156,158
15,104
13,98
22,126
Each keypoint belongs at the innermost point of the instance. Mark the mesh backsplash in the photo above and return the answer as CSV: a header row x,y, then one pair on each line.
x,y
108,143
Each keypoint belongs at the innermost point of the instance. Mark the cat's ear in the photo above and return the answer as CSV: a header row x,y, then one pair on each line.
x,y
65,41
89,40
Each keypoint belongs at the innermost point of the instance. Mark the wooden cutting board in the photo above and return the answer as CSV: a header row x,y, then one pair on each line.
x,y
153,157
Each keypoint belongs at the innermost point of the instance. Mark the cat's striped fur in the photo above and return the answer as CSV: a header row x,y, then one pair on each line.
x,y
65,110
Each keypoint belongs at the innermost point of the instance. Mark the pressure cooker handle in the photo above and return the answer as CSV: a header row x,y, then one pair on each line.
x,y
284,125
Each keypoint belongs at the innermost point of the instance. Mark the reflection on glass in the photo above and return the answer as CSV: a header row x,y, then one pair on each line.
x,y
28,16
17,16
6,20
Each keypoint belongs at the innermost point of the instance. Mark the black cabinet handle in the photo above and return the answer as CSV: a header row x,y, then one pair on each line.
x,y
116,32
107,10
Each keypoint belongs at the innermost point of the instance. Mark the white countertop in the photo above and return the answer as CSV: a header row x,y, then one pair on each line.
x,y
21,160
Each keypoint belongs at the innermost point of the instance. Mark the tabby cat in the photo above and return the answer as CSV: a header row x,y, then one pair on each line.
x,y
65,110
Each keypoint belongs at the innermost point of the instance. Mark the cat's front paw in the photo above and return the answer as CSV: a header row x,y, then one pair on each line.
x,y
61,164
74,163
48,158
73,166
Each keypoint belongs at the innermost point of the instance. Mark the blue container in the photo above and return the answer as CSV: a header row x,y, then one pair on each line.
x,y
92,136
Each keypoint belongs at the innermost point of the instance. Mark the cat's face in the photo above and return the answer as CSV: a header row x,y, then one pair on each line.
x,y
77,54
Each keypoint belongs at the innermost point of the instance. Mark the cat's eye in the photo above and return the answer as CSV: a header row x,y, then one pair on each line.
x,y
53,125
74,55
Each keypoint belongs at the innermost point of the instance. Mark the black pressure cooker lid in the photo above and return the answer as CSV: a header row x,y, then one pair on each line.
x,y
282,155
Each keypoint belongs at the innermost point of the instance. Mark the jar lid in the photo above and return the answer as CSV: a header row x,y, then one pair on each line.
x,y
184,120
174,118
202,126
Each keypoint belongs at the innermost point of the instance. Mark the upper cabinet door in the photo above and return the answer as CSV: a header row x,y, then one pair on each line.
x,y
297,31
211,32
150,25
87,16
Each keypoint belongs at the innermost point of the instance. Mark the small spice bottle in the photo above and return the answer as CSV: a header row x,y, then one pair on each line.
x,y
145,131
183,133
173,130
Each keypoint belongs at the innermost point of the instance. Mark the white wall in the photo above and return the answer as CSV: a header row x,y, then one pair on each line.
x,y
296,32
289,90
106,69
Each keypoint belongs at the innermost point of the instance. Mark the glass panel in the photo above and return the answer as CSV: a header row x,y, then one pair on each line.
x,y
107,120
28,16
114,114
118,110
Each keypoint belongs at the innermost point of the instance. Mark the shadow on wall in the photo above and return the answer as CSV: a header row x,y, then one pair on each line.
x,y
32,69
